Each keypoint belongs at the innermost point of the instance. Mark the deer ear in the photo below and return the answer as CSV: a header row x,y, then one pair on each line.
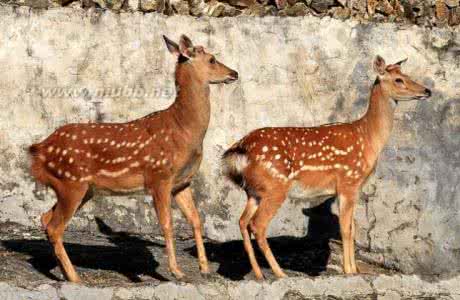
x,y
399,63
172,47
185,46
379,65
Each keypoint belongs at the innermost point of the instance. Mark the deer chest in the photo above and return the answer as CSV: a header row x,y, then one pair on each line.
x,y
189,165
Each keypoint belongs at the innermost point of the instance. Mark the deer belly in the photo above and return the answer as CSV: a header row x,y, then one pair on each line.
x,y
128,183
301,191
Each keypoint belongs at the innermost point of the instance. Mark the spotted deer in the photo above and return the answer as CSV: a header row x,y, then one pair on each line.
x,y
160,153
333,159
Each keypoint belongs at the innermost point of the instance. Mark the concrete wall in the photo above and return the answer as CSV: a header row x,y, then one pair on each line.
x,y
294,71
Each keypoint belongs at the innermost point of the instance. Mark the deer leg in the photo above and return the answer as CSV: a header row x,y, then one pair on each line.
x,y
69,198
185,202
162,201
46,217
347,203
245,218
354,268
267,209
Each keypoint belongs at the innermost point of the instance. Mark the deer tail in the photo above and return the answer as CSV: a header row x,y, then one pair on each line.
x,y
37,167
235,161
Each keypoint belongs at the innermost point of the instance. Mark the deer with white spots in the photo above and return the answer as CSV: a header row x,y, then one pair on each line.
x,y
160,152
333,159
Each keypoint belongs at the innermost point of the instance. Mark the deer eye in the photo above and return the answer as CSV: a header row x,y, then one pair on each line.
x,y
399,80
212,60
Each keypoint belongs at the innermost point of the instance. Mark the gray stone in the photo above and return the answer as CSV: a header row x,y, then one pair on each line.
x,y
112,4
180,6
298,9
152,5
321,5
132,5
381,287
71,291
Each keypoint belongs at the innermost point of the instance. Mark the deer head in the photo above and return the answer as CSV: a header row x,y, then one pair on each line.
x,y
207,67
398,85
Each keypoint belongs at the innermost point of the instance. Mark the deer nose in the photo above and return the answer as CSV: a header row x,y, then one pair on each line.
x,y
234,75
428,92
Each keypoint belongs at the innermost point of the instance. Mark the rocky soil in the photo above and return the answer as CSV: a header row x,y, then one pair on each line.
x,y
121,258
421,12
118,265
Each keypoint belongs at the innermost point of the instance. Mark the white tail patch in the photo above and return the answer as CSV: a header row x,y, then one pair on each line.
x,y
235,163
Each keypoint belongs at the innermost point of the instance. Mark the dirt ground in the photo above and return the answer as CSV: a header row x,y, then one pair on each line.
x,y
121,259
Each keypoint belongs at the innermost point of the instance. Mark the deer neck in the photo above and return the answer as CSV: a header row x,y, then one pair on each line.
x,y
378,120
191,109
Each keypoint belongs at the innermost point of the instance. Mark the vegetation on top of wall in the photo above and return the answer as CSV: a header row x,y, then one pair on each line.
x,y
437,13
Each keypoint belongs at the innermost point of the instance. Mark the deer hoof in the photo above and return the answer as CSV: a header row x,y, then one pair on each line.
x,y
281,275
204,269
75,279
205,272
259,277
178,275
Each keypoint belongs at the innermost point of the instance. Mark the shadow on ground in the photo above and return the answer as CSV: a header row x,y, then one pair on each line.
x,y
134,256
309,255
126,254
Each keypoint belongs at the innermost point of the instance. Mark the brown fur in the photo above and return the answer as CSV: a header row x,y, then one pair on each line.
x,y
160,152
333,159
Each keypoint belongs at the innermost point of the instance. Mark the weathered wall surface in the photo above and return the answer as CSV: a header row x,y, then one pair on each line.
x,y
302,71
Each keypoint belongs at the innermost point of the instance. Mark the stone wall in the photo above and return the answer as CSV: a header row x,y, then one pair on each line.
x,y
73,65
421,12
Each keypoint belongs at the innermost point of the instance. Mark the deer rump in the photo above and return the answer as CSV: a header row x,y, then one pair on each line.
x,y
235,162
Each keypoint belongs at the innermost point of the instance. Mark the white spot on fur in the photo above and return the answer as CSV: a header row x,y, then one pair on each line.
x,y
87,178
113,174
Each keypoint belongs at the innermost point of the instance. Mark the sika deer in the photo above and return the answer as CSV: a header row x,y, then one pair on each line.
x,y
333,159
159,152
